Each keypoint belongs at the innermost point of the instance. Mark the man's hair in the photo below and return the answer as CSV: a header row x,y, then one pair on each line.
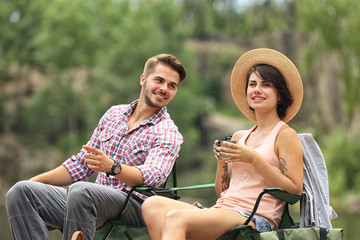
x,y
168,60
271,74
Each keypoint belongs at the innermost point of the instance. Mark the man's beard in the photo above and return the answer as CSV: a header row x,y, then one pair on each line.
x,y
151,103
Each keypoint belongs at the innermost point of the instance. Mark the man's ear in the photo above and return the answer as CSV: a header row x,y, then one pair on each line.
x,y
142,79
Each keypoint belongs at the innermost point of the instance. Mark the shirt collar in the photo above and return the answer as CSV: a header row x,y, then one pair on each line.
x,y
155,118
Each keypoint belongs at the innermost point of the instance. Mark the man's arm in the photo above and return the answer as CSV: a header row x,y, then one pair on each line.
x,y
97,160
59,176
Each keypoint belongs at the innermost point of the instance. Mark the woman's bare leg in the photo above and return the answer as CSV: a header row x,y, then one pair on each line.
x,y
169,219
154,211
200,223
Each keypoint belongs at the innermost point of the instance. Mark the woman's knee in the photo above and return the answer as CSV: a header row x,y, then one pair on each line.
x,y
175,216
176,220
152,204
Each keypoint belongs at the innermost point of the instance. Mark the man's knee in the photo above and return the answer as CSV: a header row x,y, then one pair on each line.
x,y
17,193
79,193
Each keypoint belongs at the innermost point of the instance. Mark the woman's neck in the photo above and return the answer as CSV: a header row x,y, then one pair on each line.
x,y
266,123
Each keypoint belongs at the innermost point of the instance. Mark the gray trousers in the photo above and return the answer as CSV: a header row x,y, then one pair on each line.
x,y
83,206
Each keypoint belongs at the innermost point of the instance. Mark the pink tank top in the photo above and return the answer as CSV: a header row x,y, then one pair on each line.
x,y
246,183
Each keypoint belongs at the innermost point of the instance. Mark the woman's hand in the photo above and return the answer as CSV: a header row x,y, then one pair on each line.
x,y
216,145
234,152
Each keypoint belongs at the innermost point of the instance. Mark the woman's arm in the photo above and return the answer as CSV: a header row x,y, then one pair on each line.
x,y
289,151
222,179
224,167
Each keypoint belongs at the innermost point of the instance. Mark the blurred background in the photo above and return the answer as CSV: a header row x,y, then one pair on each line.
x,y
64,63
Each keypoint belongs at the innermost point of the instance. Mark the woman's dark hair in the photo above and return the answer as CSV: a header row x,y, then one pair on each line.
x,y
272,75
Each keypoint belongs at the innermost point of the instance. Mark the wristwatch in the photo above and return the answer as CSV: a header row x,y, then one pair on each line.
x,y
115,169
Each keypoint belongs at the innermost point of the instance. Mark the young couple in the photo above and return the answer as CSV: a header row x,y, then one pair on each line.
x,y
124,150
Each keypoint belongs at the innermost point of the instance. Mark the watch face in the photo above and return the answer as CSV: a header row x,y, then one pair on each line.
x,y
117,168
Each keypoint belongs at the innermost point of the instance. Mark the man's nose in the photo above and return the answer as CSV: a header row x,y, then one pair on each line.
x,y
164,88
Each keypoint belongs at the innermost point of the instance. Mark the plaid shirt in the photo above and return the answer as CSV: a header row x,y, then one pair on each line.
x,y
152,147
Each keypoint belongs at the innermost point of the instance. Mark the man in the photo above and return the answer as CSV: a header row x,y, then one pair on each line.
x,y
132,145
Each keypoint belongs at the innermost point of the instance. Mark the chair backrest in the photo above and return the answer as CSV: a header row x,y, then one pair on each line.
x,y
315,208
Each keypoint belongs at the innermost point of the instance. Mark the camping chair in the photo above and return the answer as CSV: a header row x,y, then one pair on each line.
x,y
242,232
315,210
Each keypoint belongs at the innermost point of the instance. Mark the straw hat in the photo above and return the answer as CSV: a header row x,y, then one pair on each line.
x,y
272,58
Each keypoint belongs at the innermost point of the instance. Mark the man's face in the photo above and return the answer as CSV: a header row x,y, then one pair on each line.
x,y
160,87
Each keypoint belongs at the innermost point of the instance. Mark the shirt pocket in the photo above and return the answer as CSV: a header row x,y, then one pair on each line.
x,y
139,152
105,139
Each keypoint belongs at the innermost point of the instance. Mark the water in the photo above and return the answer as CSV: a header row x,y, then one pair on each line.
x,y
348,222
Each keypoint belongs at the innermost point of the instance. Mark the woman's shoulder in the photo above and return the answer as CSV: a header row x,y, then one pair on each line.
x,y
239,134
287,134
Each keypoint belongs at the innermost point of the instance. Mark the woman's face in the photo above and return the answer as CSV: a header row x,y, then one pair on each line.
x,y
261,95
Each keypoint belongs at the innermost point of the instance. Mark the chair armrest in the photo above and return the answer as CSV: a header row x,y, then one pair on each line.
x,y
169,192
283,195
276,192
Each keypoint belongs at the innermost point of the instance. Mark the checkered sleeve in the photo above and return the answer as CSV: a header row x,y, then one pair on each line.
x,y
162,156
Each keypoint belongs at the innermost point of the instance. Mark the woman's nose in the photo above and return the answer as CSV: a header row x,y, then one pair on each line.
x,y
257,88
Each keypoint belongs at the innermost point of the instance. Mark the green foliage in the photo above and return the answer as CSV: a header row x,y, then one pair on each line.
x,y
92,54
342,153
19,23
336,22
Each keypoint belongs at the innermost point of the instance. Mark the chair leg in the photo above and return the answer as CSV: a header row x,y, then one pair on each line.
x,y
108,232
128,235
78,234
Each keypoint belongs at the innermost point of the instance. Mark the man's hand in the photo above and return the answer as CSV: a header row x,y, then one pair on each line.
x,y
97,160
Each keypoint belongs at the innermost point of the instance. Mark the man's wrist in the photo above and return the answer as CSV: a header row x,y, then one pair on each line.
x,y
115,169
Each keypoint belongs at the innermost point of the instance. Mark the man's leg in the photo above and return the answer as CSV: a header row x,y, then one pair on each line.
x,y
30,204
90,205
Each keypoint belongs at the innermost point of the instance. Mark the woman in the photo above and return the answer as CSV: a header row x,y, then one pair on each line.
x,y
267,89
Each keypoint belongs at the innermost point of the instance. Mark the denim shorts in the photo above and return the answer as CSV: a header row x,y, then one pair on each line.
x,y
261,224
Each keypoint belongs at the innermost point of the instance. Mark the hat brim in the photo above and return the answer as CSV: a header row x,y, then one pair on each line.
x,y
273,58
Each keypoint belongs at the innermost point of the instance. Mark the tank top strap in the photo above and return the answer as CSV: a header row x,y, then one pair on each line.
x,y
243,138
273,134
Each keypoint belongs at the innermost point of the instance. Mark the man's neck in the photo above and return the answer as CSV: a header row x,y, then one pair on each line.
x,y
140,114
